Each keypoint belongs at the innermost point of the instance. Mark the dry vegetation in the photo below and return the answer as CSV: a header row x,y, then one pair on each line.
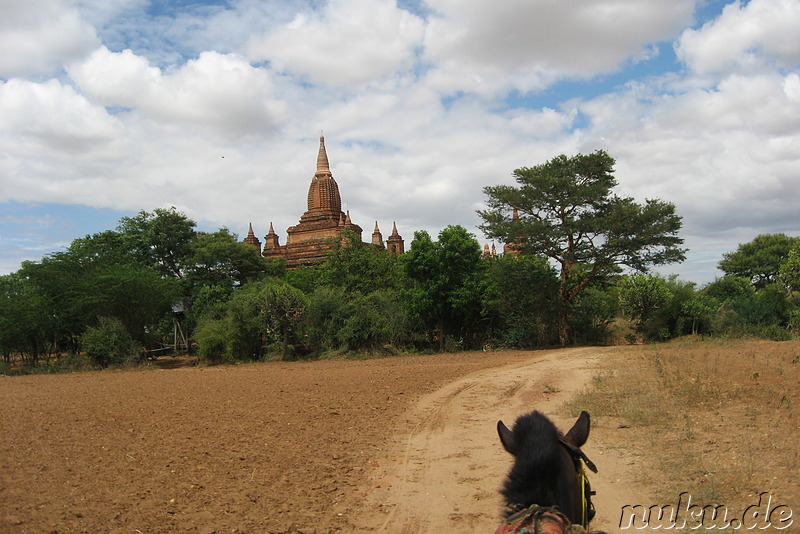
x,y
717,419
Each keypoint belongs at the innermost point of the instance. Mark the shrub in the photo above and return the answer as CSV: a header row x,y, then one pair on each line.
x,y
212,336
109,343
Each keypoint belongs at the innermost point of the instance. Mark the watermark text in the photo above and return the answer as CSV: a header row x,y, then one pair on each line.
x,y
765,513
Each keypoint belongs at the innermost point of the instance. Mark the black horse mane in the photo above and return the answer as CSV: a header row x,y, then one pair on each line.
x,y
536,464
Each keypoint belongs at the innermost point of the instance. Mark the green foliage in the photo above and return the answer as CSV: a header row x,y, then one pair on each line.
x,y
642,295
74,290
789,271
110,344
281,307
698,309
161,239
241,307
25,325
213,338
591,314
324,318
304,278
444,298
520,301
371,322
359,268
565,210
219,259
759,260
259,315
744,310
729,287
767,307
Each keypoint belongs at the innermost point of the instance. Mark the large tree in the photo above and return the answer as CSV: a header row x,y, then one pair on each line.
x,y
565,210
161,239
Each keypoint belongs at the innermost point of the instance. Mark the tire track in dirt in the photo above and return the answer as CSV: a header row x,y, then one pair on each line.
x,y
448,464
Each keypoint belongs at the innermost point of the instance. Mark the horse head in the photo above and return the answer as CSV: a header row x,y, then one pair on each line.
x,y
547,469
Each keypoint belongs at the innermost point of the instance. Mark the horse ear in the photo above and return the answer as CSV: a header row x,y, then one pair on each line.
x,y
579,432
507,438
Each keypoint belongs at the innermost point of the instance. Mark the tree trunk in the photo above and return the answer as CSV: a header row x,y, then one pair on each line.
x,y
563,326
563,304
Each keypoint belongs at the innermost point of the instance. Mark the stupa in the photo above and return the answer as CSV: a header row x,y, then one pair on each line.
x,y
308,241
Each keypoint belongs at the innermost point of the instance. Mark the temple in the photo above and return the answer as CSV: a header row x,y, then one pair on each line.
x,y
308,242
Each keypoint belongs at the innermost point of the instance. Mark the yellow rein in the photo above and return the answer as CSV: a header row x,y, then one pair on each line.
x,y
584,482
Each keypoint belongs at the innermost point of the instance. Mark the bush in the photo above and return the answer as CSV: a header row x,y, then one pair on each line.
x,y
591,315
212,338
109,343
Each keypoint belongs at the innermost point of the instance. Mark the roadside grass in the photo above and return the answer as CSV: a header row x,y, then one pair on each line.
x,y
718,419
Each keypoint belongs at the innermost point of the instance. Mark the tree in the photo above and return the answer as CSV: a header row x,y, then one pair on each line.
x,y
25,324
520,300
257,315
642,295
565,210
109,343
446,274
161,239
356,267
75,287
759,260
219,259
789,272
281,307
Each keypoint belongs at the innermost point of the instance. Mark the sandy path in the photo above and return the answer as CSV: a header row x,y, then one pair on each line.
x,y
444,473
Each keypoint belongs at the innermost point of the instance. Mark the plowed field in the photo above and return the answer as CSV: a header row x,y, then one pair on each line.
x,y
401,444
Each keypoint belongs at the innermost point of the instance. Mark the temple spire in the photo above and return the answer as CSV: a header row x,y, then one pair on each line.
x,y
377,237
323,168
251,238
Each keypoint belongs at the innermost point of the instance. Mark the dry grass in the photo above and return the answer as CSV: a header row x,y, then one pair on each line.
x,y
717,419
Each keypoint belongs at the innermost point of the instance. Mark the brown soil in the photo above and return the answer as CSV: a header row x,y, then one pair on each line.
x,y
402,444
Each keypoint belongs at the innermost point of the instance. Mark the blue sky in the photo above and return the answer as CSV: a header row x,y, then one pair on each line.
x,y
112,107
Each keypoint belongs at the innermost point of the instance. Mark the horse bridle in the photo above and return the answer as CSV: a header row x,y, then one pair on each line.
x,y
580,459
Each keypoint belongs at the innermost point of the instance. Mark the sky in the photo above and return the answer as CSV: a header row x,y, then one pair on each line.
x,y
110,107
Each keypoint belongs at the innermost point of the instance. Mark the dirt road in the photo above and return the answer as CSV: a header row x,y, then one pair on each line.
x,y
450,464
403,444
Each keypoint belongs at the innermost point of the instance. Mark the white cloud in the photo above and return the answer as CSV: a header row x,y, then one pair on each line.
x,y
54,115
348,43
750,37
215,90
485,47
216,108
37,37
711,152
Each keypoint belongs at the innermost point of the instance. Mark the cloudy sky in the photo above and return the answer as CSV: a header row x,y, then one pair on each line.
x,y
108,107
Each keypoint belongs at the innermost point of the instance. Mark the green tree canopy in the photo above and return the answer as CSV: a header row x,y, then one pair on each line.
x,y
520,301
220,259
642,295
356,267
161,239
446,274
759,260
76,287
789,274
565,210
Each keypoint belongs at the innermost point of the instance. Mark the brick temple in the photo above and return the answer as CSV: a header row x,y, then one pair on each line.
x,y
324,221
